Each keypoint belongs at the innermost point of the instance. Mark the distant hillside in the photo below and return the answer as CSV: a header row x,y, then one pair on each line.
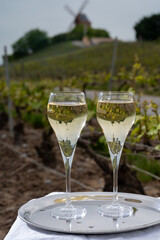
x,y
64,60
35,40
50,52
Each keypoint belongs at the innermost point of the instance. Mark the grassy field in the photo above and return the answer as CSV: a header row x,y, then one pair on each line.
x,y
50,52
65,60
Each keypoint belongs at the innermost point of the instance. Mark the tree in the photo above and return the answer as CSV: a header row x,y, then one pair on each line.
x,y
31,42
148,28
37,39
78,32
20,48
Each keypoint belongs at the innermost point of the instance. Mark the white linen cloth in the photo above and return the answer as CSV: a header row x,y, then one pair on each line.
x,y
21,231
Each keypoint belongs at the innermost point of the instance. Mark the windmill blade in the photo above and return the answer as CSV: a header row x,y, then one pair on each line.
x,y
71,26
69,10
83,6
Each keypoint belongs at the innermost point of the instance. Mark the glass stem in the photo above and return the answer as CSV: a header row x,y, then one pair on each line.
x,y
115,181
68,181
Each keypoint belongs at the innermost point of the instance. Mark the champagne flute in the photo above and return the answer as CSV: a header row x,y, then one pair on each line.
x,y
67,114
116,115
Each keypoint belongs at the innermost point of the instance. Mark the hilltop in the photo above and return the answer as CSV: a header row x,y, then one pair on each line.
x,y
65,60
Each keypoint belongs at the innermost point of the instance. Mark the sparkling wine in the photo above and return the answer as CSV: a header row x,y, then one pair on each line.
x,y
116,119
115,114
67,120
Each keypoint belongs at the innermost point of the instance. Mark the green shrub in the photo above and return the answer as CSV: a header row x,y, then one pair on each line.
x,y
77,34
35,119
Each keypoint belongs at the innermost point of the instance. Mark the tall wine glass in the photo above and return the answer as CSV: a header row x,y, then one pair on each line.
x,y
116,115
67,114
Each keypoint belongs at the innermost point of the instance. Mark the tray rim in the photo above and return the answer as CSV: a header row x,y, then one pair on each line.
x,y
54,196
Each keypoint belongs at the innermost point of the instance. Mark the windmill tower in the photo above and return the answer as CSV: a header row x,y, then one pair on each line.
x,y
79,18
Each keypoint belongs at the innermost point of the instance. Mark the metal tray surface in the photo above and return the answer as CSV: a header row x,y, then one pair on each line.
x,y
37,213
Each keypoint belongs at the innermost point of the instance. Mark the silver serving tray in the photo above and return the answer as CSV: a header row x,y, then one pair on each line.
x,y
37,213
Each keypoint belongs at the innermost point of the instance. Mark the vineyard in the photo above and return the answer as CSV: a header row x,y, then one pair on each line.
x,y
31,164
91,66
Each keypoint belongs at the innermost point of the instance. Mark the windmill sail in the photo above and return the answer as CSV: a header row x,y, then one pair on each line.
x,y
79,18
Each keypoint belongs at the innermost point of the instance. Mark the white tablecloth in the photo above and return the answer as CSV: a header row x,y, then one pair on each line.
x,y
21,231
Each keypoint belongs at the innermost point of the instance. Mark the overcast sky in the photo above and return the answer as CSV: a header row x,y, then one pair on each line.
x,y
118,17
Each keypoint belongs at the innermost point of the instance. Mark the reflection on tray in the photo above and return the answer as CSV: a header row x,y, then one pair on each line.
x,y
133,200
84,198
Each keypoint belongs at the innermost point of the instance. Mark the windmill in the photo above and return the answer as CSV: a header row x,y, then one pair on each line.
x,y
79,18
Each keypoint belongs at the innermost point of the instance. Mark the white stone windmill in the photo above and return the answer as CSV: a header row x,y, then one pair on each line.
x,y
79,18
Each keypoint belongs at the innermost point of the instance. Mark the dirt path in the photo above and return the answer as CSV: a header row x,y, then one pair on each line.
x,y
23,176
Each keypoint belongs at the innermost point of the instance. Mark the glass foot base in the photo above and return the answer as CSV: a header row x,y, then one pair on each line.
x,y
68,212
118,211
